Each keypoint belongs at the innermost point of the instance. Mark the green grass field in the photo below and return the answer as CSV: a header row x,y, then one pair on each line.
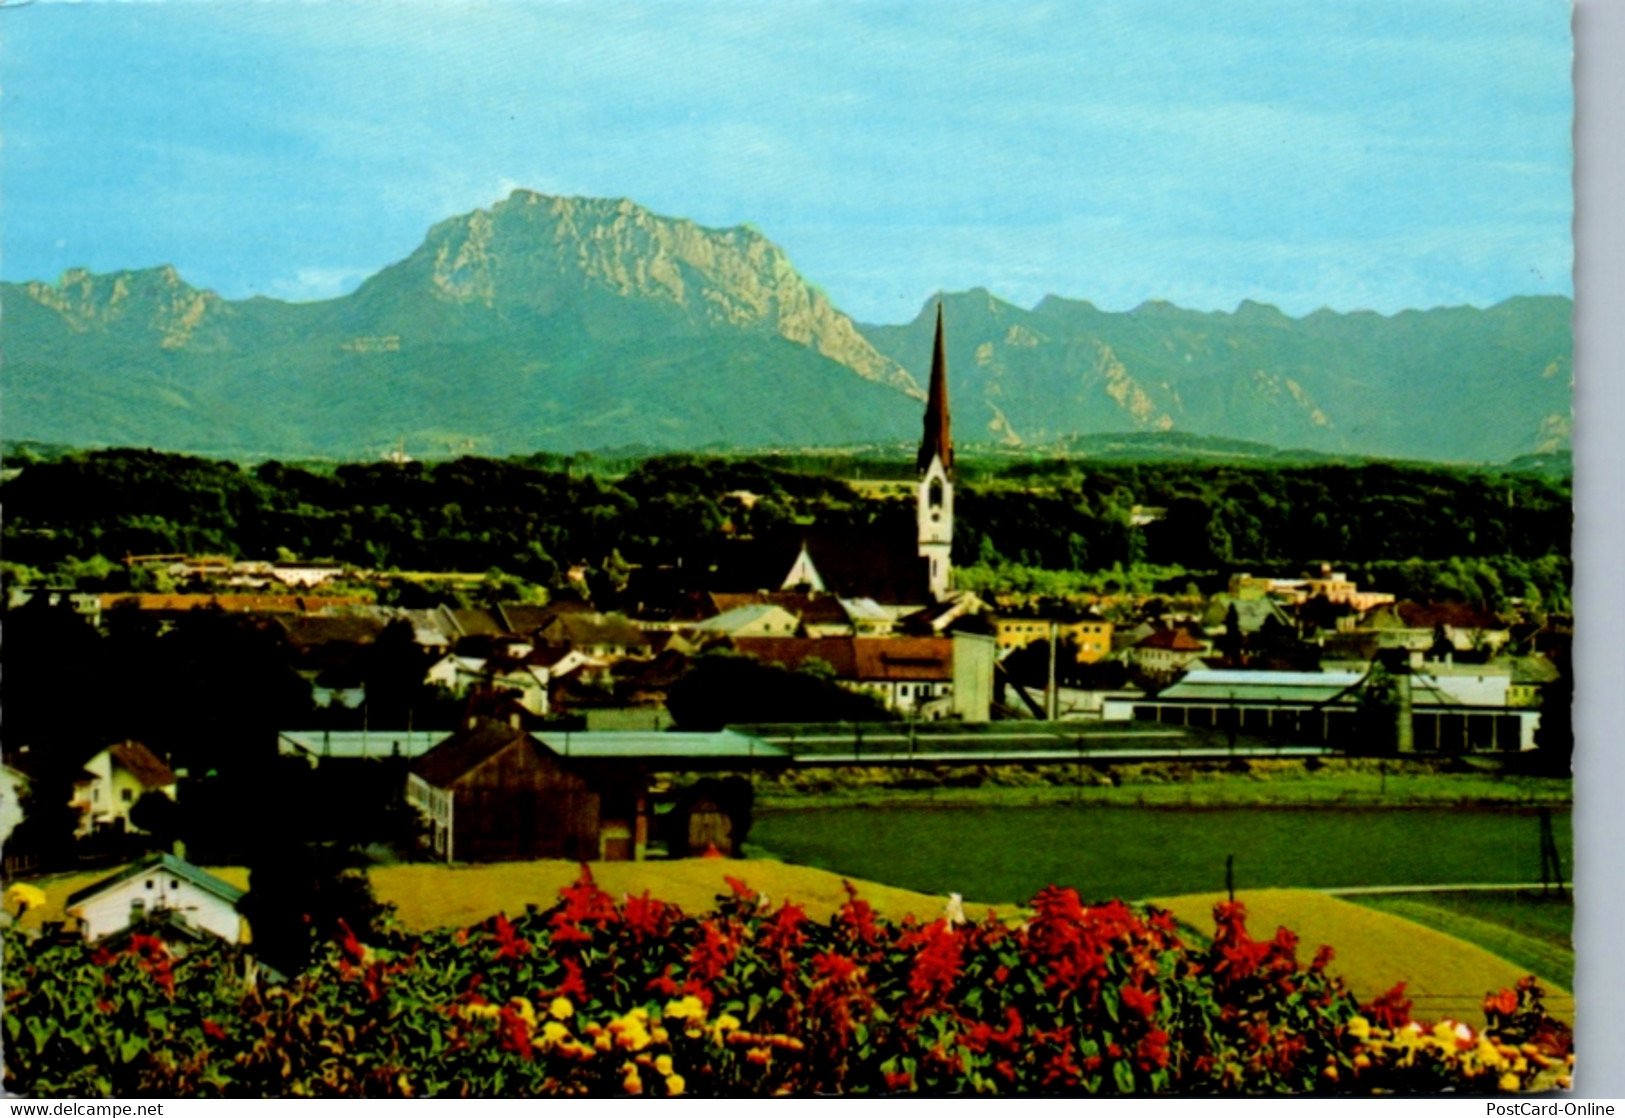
x,y
1004,855
1523,927
1268,782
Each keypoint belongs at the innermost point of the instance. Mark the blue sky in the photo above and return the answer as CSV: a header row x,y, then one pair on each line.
x,y
1375,154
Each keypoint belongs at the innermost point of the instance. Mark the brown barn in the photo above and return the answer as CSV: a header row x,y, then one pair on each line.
x,y
492,792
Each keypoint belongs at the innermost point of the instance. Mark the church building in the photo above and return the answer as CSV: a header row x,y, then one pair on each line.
x,y
904,573
898,567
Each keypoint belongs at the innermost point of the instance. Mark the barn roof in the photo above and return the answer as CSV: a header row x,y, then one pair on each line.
x,y
168,862
464,751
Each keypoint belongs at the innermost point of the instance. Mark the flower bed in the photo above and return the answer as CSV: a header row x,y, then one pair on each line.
x,y
597,998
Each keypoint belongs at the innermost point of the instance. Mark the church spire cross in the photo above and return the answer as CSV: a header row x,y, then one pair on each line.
x,y
937,443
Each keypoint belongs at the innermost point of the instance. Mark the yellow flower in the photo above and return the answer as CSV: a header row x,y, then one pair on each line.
x,y
690,1008
727,1023
554,1032
1359,1027
663,1064
526,1012
630,1033
1509,1082
633,1083
674,1085
561,1008
24,897
660,1035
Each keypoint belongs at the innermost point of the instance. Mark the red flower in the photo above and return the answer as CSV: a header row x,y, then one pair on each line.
x,y
574,988
1504,1004
1391,1010
647,918
711,956
1152,1051
584,902
515,1033
213,1030
856,915
830,967
937,965
782,931
349,944
1139,1001
509,943
663,983
897,1080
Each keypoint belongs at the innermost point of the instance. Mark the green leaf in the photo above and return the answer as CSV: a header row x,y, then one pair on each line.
x,y
1124,1076
754,1008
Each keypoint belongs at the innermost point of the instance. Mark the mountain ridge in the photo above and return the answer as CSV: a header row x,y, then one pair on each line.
x,y
566,323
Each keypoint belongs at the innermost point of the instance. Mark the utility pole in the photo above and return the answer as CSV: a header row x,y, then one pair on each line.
x,y
1051,699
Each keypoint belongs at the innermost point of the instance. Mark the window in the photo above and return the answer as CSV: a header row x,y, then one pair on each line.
x,y
149,883
127,795
933,495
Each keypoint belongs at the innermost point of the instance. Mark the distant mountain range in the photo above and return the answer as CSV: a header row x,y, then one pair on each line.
x,y
571,324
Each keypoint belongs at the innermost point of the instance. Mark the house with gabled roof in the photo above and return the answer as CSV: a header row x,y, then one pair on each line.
x,y
1169,651
159,886
905,673
113,782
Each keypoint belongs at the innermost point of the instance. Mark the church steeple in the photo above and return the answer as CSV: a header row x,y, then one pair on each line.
x,y
937,443
935,504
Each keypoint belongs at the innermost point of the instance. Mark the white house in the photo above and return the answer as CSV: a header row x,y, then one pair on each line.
x,y
164,886
113,782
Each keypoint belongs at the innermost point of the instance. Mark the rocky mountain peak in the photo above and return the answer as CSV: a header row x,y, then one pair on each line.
x,y
155,300
537,253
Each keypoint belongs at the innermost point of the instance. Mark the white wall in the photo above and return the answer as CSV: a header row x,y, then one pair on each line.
x,y
109,911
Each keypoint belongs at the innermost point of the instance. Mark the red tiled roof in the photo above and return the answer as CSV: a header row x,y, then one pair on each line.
x,y
794,652
861,659
1172,640
1456,615
143,764
904,658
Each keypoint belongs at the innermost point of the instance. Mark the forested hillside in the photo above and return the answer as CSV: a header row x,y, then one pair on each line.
x,y
1482,536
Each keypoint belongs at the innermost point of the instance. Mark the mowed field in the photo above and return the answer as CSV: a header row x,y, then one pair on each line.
x,y
1006,854
1535,930
1444,976
438,896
